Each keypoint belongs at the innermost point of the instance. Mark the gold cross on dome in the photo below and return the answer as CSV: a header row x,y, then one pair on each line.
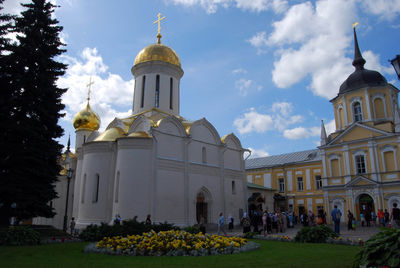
x,y
159,27
158,21
89,86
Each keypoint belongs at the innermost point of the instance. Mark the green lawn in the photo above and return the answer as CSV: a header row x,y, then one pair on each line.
x,y
271,254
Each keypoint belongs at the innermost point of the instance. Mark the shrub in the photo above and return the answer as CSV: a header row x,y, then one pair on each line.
x,y
314,234
380,250
19,235
191,229
129,227
250,234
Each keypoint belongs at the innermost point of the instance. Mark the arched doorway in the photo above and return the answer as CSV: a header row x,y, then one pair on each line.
x,y
201,207
365,204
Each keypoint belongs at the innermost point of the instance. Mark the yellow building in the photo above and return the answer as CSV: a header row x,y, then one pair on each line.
x,y
357,166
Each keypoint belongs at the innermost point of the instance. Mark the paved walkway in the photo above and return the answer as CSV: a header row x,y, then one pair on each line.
x,y
361,232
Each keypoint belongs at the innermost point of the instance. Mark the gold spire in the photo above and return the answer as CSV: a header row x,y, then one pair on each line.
x,y
89,86
159,27
355,24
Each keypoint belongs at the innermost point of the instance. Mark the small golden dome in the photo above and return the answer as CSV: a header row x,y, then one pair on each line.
x,y
158,52
140,134
111,134
86,119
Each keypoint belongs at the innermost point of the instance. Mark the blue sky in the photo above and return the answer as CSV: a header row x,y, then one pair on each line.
x,y
263,69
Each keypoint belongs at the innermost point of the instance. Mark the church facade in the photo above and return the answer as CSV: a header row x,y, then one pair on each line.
x,y
154,162
357,167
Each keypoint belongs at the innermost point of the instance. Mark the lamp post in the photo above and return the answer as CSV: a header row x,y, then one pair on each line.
x,y
69,176
396,65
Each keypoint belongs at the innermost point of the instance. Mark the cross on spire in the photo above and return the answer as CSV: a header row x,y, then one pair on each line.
x,y
89,86
159,27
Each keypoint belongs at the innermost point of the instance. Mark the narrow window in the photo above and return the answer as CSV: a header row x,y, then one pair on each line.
x,y
117,188
357,112
335,168
84,138
360,164
318,182
171,92
281,185
143,86
51,204
299,183
157,99
233,187
96,189
204,155
83,189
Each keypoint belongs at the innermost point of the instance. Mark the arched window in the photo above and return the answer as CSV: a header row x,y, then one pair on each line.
x,y
83,189
117,188
143,86
96,189
379,109
357,112
204,155
157,97
171,92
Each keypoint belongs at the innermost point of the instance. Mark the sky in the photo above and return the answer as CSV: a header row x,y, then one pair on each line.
x,y
262,69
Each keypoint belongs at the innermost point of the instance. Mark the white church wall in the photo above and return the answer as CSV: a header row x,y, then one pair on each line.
x,y
232,159
209,155
77,184
170,135
171,196
234,197
98,167
135,165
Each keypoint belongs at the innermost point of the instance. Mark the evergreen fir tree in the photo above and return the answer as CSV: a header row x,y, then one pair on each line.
x,y
30,154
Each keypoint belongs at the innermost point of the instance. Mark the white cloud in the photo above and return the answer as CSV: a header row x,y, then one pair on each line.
x,y
279,119
317,50
211,6
258,153
298,133
110,94
259,40
243,85
14,7
386,9
239,71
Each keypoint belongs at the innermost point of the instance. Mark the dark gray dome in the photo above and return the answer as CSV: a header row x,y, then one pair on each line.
x,y
362,78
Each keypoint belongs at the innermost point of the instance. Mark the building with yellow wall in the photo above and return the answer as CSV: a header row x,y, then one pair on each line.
x,y
357,167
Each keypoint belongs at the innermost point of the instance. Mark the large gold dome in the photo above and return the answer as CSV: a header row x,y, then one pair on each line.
x,y
158,52
86,119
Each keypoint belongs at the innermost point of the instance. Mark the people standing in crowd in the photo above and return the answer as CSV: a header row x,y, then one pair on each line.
x,y
202,226
367,217
395,216
246,223
336,215
135,218
230,226
275,222
148,220
354,223
72,226
381,218
221,223
254,222
291,220
362,219
387,216
349,220
264,221
373,218
310,218
269,222
117,219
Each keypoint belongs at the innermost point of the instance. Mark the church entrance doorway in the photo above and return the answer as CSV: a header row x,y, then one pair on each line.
x,y
365,206
201,208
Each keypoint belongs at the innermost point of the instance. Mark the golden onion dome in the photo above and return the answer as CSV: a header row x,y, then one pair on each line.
x,y
86,119
158,52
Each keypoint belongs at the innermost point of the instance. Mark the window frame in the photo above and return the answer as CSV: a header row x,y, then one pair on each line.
x,y
300,182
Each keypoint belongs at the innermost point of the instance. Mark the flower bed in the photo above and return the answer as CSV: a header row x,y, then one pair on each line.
x,y
284,238
171,243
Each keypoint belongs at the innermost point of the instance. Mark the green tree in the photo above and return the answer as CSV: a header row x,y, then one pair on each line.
x,y
30,151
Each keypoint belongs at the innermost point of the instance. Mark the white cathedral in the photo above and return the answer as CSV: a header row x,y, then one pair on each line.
x,y
154,161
